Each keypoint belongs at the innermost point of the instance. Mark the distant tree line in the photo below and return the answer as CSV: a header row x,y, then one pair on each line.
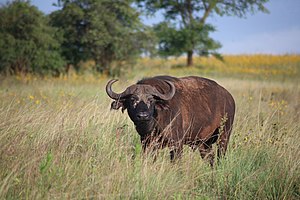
x,y
109,33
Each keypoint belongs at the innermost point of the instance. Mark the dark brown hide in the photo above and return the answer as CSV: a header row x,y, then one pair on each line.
x,y
200,113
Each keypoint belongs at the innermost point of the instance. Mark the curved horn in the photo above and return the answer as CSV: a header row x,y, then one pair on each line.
x,y
109,91
117,96
169,95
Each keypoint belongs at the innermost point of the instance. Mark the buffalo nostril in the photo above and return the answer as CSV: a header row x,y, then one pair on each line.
x,y
143,115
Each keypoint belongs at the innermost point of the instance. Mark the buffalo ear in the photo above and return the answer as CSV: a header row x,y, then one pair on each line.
x,y
161,105
117,104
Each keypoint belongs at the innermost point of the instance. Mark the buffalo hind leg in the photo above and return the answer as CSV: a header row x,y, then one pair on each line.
x,y
206,150
207,153
223,140
222,144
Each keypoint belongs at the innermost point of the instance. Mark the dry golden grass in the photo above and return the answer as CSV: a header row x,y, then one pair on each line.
x,y
259,66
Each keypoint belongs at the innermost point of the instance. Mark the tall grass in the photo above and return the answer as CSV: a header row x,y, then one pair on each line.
x,y
59,140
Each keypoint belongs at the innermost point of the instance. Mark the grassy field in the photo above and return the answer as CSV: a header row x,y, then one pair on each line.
x,y
59,140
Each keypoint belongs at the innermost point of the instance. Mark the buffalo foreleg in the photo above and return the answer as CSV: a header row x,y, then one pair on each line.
x,y
176,152
150,147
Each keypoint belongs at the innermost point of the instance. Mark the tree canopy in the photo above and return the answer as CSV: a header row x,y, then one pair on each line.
x,y
185,29
102,30
110,33
27,43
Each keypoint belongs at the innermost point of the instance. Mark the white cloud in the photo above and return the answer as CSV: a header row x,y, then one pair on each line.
x,y
279,42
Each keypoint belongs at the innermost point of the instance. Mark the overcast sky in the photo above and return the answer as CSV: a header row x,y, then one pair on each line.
x,y
274,33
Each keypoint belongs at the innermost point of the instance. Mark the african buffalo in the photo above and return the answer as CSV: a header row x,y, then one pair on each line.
x,y
170,111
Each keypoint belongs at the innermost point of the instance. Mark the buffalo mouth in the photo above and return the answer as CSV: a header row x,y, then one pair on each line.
x,y
143,116
144,120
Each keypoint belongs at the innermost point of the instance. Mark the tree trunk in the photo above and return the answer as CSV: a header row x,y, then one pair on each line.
x,y
67,68
190,58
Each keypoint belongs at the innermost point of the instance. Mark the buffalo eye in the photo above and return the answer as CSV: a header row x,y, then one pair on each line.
x,y
151,100
133,100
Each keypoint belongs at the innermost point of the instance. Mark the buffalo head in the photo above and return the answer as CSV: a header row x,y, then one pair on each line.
x,y
141,102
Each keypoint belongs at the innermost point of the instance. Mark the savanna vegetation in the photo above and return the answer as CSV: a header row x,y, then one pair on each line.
x,y
59,140
109,33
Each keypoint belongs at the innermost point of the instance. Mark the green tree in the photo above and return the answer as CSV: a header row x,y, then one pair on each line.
x,y
173,41
27,43
102,30
185,29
